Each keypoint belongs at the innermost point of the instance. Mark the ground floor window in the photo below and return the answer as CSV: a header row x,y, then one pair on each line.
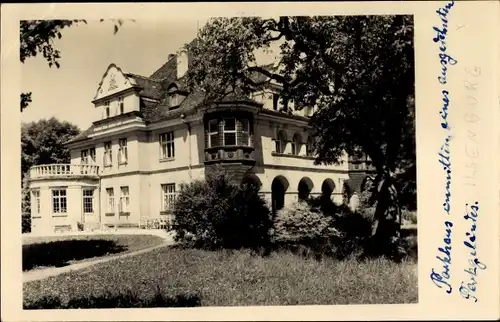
x,y
59,201
124,199
35,201
168,196
111,199
88,201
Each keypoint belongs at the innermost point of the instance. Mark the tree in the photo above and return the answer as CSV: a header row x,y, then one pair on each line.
x,y
37,36
358,71
42,142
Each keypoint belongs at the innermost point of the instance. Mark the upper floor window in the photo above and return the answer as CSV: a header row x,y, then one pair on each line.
x,y
122,151
92,155
108,156
106,107
167,148
174,98
228,132
59,202
84,158
296,144
309,147
121,106
35,201
213,133
281,142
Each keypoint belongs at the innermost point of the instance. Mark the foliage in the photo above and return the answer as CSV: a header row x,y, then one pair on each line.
x,y
42,142
218,213
25,205
358,71
298,224
234,278
409,216
37,37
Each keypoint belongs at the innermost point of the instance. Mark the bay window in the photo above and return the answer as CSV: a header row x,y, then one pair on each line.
x,y
228,132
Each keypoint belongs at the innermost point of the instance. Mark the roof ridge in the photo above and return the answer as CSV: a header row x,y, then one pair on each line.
x,y
140,76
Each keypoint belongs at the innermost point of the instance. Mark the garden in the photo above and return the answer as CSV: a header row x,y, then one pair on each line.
x,y
231,251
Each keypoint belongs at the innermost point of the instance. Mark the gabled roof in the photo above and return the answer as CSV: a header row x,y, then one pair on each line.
x,y
155,87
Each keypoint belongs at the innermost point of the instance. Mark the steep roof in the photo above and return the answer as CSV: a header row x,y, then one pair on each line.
x,y
151,88
155,87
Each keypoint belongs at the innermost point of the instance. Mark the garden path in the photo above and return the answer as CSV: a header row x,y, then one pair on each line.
x,y
39,274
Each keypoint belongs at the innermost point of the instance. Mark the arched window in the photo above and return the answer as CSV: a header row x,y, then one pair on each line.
x,y
297,141
281,142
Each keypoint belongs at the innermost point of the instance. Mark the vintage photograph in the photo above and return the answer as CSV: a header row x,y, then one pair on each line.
x,y
231,161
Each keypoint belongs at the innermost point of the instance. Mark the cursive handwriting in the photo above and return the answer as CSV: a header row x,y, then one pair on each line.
x,y
440,38
467,289
442,278
445,160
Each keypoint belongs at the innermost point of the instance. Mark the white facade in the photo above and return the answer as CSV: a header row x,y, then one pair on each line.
x,y
130,164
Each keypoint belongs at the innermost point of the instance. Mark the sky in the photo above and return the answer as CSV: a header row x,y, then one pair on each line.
x,y
139,47
66,93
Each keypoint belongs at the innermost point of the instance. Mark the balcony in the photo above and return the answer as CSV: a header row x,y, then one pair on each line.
x,y
54,171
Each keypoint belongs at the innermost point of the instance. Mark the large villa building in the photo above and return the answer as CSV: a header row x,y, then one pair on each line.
x,y
151,134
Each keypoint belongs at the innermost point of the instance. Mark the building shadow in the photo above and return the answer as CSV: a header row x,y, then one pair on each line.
x,y
60,253
114,301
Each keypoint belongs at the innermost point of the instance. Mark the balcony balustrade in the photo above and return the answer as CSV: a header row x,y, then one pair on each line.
x,y
48,171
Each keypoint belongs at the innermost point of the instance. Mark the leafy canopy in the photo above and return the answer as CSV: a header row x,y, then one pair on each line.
x,y
358,71
42,142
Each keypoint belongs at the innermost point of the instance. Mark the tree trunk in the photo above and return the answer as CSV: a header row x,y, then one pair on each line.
x,y
386,228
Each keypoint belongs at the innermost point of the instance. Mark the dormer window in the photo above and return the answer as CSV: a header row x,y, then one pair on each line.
x,y
106,107
174,98
121,106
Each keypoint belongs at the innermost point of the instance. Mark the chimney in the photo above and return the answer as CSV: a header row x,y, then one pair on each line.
x,y
182,63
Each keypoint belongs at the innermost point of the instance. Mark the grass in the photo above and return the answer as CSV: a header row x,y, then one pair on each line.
x,y
43,252
178,277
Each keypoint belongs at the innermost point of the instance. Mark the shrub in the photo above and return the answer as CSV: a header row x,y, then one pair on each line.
x,y
218,213
300,224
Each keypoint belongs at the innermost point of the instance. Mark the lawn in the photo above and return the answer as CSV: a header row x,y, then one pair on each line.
x,y
177,277
43,252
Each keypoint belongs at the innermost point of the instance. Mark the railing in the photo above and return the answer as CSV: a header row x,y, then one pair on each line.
x,y
64,170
